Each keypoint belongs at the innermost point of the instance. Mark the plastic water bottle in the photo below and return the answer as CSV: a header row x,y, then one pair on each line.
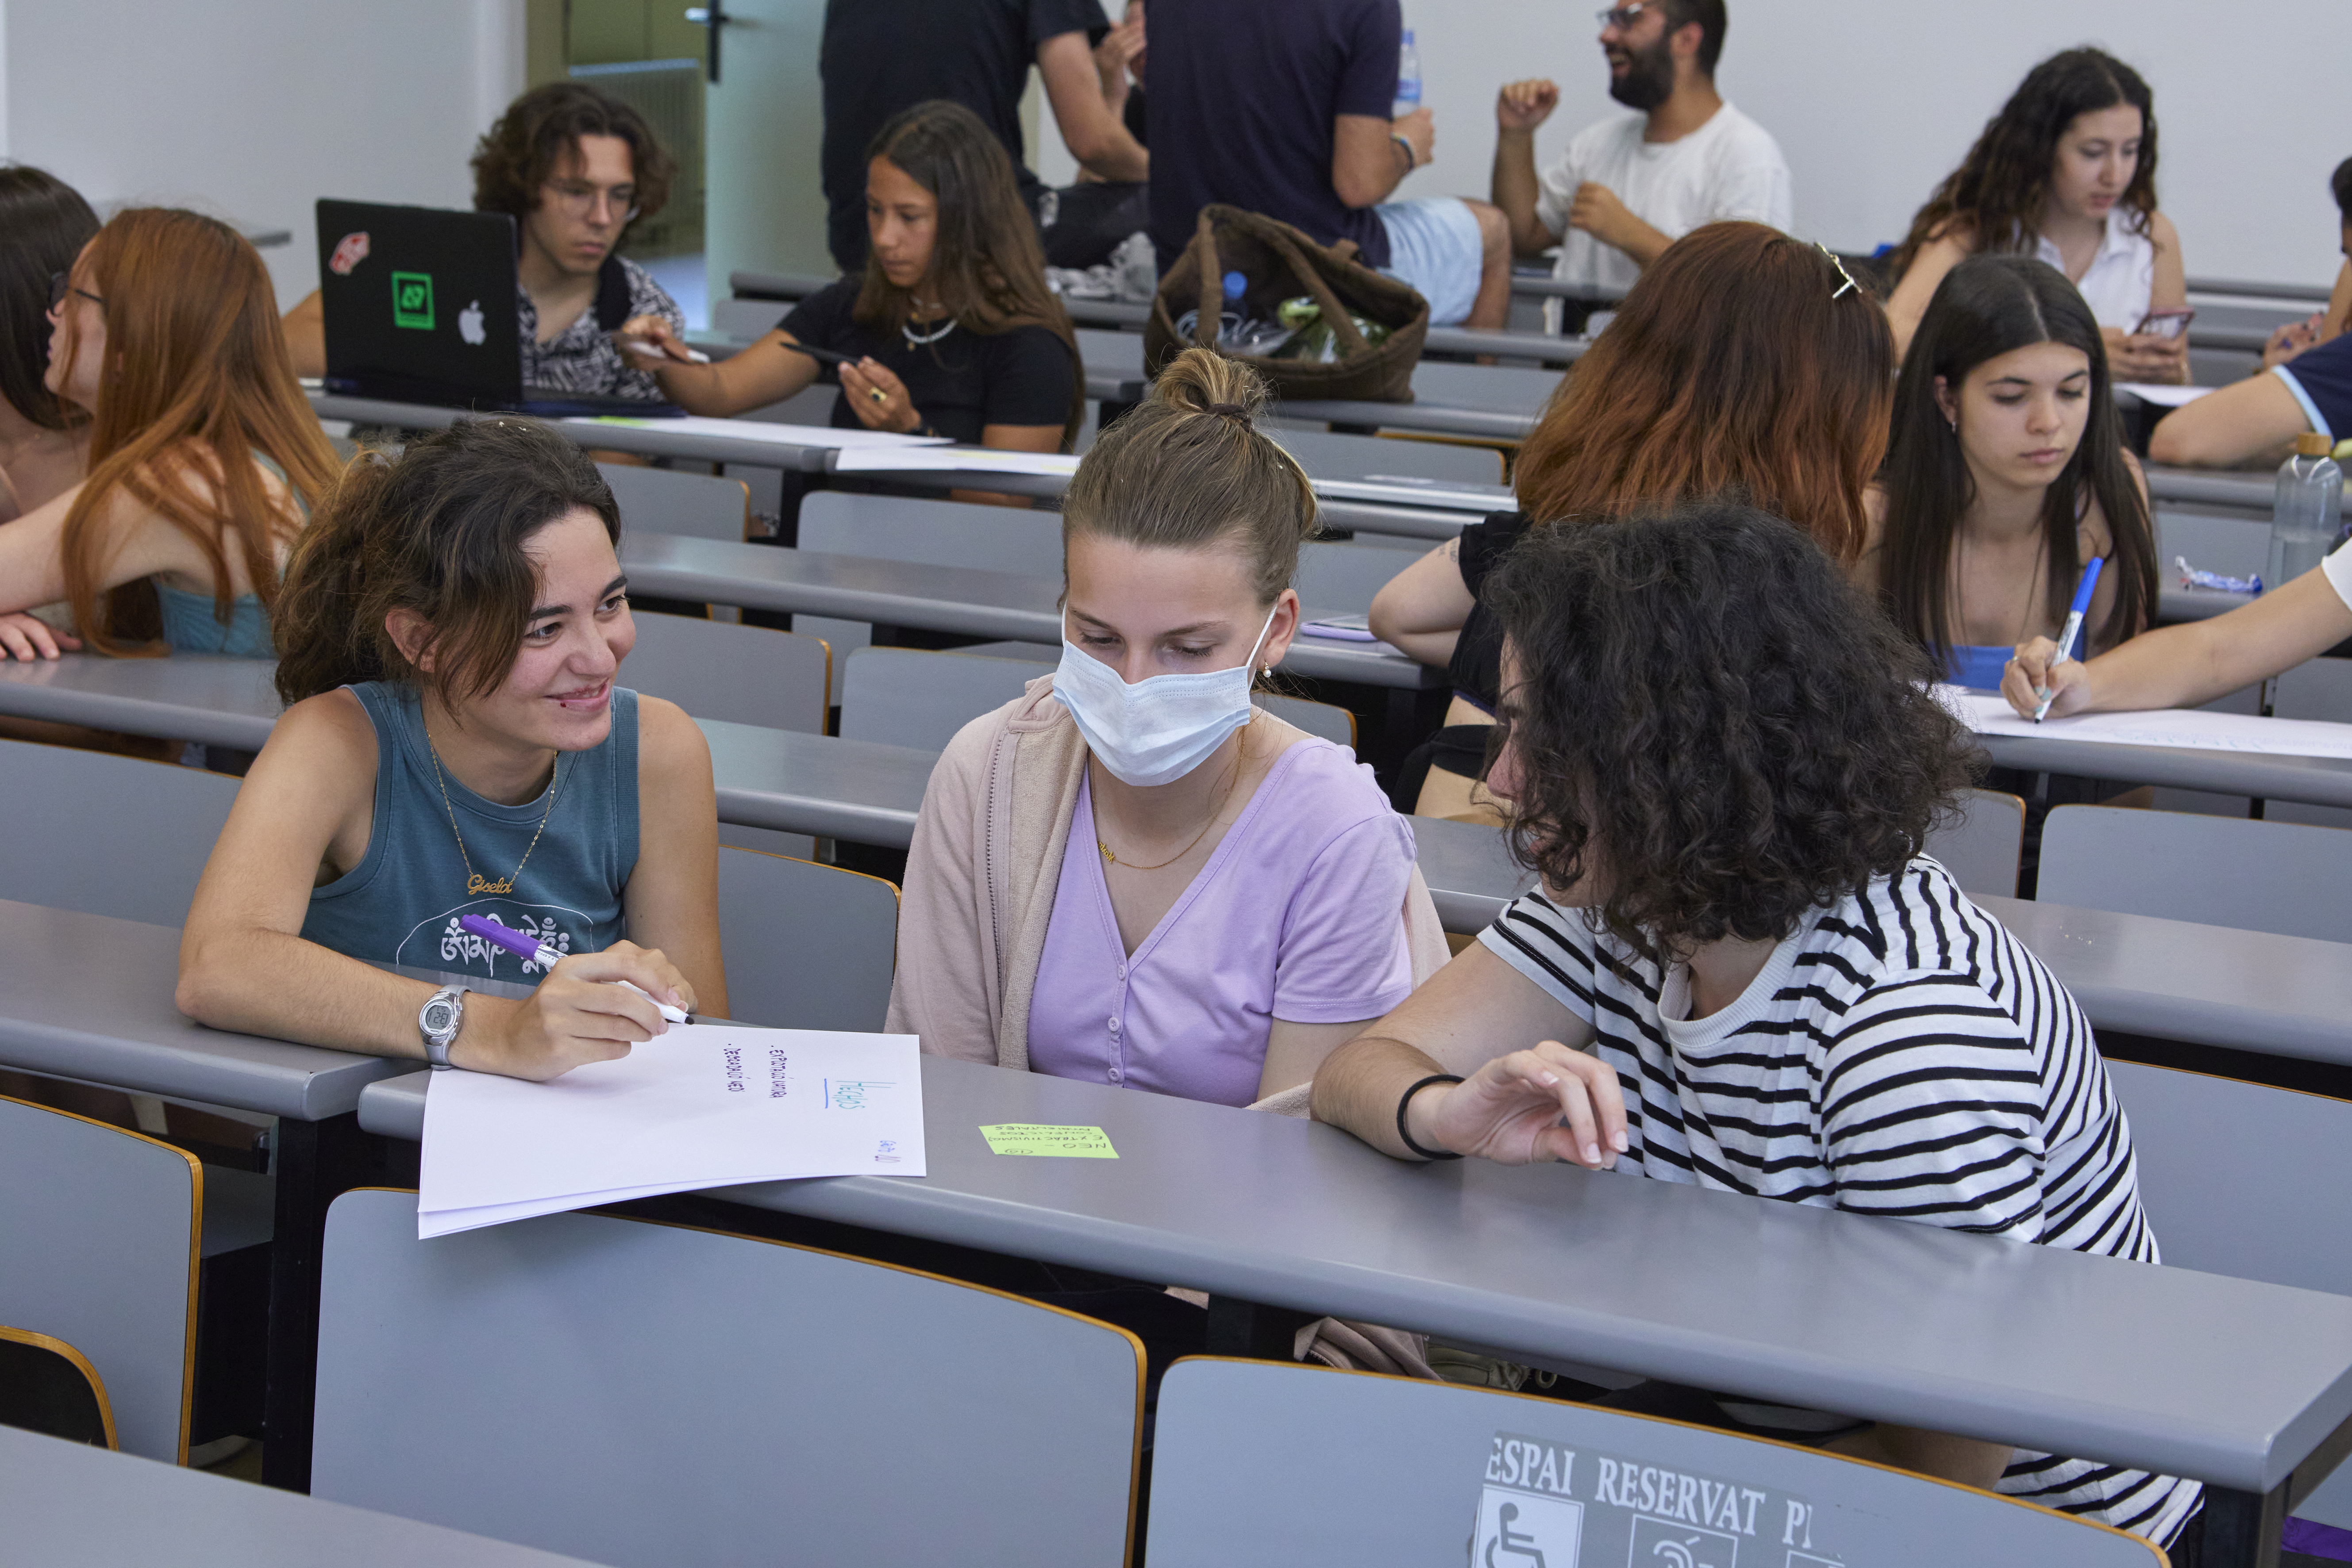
x,y
2306,511
1408,93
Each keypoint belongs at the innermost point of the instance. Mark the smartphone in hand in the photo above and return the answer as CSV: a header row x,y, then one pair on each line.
x,y
2163,323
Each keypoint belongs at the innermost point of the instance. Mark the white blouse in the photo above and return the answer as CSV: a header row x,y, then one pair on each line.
x,y
2121,277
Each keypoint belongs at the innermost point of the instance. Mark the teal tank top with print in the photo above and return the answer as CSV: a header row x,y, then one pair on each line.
x,y
401,902
192,622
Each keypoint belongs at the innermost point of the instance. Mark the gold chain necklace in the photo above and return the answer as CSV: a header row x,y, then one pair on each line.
x,y
1233,777
474,886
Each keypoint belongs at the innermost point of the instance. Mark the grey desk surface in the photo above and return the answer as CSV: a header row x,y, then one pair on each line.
x,y
1879,1318
960,600
188,697
652,438
822,784
2234,489
82,996
2315,780
64,1505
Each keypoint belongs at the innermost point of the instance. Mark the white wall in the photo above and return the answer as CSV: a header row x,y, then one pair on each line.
x,y
1875,101
252,110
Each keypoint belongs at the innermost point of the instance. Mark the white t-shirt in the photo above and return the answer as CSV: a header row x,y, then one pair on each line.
x,y
1902,1055
1728,168
2338,567
2121,279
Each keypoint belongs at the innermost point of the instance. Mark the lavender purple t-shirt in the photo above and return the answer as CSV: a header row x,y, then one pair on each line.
x,y
1297,915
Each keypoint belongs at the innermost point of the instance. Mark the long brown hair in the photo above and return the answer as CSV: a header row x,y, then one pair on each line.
x,y
1998,190
438,531
986,263
197,380
1740,363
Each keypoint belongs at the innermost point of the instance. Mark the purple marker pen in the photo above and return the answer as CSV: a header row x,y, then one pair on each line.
x,y
539,952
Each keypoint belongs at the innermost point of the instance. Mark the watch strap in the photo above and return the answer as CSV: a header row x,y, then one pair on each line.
x,y
437,1041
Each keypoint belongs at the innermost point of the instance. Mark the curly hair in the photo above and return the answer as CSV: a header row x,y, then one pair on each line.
x,y
519,154
1998,188
1709,718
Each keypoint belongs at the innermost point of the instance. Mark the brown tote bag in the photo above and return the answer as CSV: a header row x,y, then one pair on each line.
x,y
1281,264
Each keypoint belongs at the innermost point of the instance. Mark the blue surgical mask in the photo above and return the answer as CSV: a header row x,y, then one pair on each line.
x,y
1159,729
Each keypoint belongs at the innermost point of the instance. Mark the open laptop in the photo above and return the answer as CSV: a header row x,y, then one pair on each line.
x,y
420,308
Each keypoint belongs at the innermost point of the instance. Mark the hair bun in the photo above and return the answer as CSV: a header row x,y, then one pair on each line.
x,y
1201,382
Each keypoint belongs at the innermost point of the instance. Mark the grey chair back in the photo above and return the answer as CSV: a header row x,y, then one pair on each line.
x,y
107,835
100,1230
2316,688
744,675
653,1396
2235,546
1325,456
2289,1157
806,946
2280,877
1340,579
907,697
1243,1450
934,533
664,500
1981,851
1504,389
748,320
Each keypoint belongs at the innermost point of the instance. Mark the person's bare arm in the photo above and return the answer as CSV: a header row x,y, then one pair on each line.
x,y
1514,186
1090,127
2145,356
1530,1093
672,899
1963,1459
2188,663
1596,210
1293,1052
765,373
2239,423
32,562
1908,303
244,965
305,326
1367,165
2339,304
1420,611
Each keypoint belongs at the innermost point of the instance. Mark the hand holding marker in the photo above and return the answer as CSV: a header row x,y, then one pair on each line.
x,y
539,952
2073,625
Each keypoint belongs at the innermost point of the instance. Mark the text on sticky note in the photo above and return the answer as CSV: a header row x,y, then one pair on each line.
x,y
1045,1138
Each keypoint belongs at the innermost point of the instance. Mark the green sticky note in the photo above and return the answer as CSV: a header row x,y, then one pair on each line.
x,y
1045,1138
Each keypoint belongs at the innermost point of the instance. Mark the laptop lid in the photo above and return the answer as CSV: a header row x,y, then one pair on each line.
x,y
420,304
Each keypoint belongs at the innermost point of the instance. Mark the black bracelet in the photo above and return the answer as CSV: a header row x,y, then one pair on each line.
x,y
1406,1099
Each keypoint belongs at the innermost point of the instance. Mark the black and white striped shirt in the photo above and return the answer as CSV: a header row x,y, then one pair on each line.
x,y
1901,1055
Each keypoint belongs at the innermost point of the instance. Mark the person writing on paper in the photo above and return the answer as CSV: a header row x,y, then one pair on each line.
x,y
456,743
949,331
2188,665
575,168
2067,172
1631,184
1744,360
44,440
1738,971
1129,875
204,456
2006,474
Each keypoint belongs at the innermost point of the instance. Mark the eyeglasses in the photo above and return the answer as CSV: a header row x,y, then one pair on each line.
x,y
574,199
1839,262
62,285
1623,16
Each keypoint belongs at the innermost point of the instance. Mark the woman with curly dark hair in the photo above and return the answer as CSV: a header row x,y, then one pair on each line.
x,y
1740,971
2067,172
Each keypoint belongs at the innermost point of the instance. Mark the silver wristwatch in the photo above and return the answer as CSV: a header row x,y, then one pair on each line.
x,y
438,1022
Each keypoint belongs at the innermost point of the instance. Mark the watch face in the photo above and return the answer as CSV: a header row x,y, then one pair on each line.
x,y
439,1016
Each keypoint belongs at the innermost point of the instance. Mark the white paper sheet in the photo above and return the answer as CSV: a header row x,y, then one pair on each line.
x,y
1435,494
2192,727
761,430
706,1105
973,459
2162,396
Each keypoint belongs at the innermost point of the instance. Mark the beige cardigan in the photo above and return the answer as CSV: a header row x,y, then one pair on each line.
x,y
981,877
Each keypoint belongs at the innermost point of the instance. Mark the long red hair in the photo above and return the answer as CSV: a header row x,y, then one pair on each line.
x,y
196,380
1735,366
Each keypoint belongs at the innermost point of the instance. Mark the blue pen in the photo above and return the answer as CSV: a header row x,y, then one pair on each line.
x,y
546,957
2073,625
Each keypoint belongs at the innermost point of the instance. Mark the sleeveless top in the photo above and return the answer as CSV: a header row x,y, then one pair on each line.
x,y
191,622
401,903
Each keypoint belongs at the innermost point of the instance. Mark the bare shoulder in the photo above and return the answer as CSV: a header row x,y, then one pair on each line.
x,y
2162,232
324,744
671,749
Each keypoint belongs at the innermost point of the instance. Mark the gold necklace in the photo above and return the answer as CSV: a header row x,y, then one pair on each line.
x,y
474,886
1233,777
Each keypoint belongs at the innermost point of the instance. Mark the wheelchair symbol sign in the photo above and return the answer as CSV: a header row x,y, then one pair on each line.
x,y
1521,1529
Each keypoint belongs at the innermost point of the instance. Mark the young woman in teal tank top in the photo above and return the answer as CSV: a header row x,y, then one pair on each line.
x,y
205,457
456,743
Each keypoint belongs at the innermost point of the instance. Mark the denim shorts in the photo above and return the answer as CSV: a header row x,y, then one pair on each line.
x,y
1434,246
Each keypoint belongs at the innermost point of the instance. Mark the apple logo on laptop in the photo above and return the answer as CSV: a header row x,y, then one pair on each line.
x,y
469,324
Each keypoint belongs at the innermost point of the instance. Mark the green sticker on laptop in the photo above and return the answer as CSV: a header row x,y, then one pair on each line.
x,y
1048,1139
412,299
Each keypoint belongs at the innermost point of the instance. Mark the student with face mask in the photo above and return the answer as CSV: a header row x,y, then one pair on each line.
x,y
1129,875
